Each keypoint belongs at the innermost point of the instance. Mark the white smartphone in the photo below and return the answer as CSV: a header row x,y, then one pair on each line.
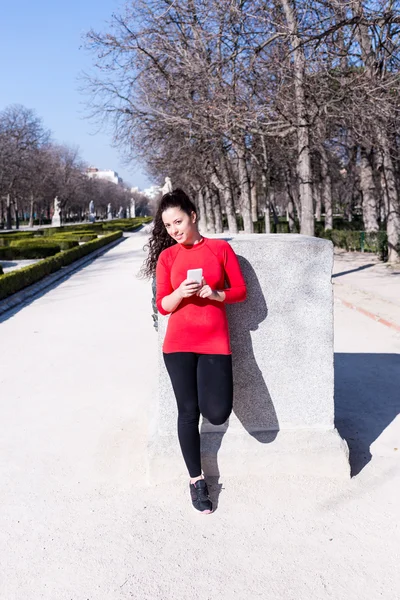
x,y
195,275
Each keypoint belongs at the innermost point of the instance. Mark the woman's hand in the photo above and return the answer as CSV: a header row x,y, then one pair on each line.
x,y
207,292
188,288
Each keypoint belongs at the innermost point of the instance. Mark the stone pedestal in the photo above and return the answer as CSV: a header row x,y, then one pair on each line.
x,y
282,346
56,220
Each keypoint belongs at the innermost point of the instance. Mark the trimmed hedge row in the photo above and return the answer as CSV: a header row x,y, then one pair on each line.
x,y
74,237
358,241
98,227
13,282
75,230
33,248
126,224
63,244
27,251
6,239
40,240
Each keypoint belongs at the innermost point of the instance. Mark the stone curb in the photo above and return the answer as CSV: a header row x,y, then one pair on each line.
x,y
369,314
32,290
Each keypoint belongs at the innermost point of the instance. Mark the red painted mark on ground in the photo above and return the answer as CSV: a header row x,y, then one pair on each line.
x,y
371,315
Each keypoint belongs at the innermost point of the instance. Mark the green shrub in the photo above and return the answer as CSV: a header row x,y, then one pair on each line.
x,y
7,238
18,280
1,270
319,228
125,224
74,237
53,241
282,227
351,240
49,231
96,228
28,251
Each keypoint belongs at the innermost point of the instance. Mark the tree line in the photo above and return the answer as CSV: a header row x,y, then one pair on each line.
x,y
34,170
260,107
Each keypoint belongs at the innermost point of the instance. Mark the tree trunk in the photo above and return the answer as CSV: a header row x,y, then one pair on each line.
x,y
368,191
291,219
266,196
209,210
201,210
8,212
317,200
392,200
292,193
372,61
16,214
271,195
303,142
245,192
31,211
254,202
326,189
225,187
219,228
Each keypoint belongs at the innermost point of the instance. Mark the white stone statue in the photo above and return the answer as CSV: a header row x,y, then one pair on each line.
x,y
133,208
92,214
57,206
167,187
121,213
56,218
109,211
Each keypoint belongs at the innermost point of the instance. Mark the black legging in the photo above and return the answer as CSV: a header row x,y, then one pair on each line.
x,y
202,384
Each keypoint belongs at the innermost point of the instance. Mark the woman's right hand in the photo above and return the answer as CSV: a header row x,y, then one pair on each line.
x,y
188,288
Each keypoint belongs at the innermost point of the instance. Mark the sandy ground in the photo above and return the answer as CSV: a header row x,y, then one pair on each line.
x,y
361,279
78,520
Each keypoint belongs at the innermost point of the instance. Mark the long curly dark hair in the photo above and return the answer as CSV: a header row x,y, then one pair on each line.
x,y
160,238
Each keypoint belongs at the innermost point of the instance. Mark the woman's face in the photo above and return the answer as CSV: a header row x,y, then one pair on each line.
x,y
180,226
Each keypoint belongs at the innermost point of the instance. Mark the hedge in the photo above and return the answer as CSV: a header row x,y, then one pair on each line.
x,y
74,237
13,282
63,244
361,241
73,230
7,238
28,251
126,224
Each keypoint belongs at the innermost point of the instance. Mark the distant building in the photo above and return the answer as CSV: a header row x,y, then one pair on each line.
x,y
107,175
152,191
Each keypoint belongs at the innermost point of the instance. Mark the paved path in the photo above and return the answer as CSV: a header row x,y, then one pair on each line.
x,y
78,520
362,281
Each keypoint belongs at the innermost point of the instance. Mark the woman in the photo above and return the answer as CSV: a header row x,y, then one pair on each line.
x,y
196,349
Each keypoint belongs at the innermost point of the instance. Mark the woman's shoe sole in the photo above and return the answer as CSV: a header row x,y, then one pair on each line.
x,y
202,512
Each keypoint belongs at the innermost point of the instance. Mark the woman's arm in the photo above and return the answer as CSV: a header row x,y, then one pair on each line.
x,y
236,290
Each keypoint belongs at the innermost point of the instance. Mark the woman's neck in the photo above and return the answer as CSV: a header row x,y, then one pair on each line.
x,y
197,237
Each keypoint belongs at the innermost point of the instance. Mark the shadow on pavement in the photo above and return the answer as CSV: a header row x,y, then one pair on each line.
x,y
367,400
354,270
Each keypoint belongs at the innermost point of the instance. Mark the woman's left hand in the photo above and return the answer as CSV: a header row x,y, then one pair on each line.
x,y
207,292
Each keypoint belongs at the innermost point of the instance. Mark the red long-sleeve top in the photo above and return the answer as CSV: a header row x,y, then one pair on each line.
x,y
198,324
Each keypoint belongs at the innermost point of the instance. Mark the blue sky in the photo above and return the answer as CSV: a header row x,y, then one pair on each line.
x,y
41,60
